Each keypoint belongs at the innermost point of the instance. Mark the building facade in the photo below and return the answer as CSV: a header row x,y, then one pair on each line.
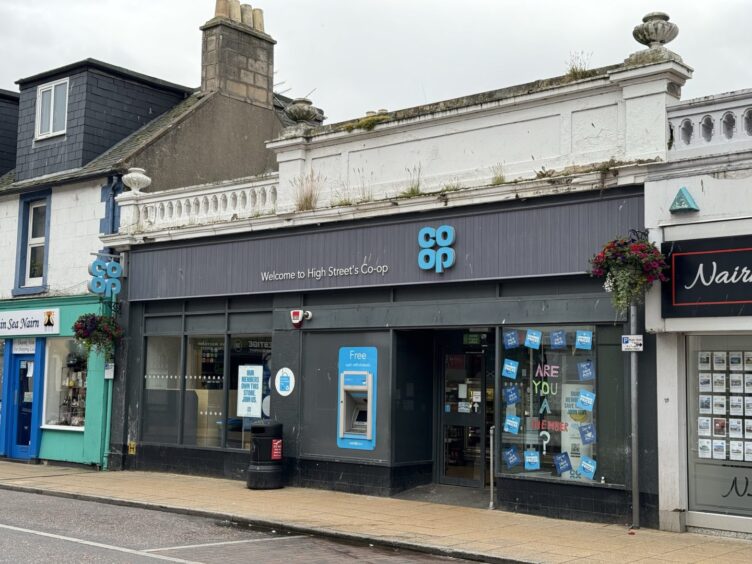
x,y
698,207
403,283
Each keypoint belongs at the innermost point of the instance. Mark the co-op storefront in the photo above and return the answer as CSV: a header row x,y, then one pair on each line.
x,y
380,345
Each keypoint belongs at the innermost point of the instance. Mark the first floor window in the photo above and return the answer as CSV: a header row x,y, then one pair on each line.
x,y
35,243
65,397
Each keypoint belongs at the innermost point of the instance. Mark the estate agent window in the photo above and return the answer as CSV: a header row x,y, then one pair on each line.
x,y
65,385
52,106
560,402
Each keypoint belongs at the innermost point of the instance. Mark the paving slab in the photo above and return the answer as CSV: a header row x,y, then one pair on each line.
x,y
449,530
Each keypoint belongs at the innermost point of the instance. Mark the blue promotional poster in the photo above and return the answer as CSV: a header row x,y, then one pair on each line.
x,y
585,371
562,463
584,340
558,339
511,457
512,424
532,460
587,467
533,339
586,400
511,395
356,414
587,434
511,341
509,370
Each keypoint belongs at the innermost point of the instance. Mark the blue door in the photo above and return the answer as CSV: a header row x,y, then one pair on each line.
x,y
23,372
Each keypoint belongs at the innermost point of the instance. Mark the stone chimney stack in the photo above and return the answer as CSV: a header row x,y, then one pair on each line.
x,y
237,57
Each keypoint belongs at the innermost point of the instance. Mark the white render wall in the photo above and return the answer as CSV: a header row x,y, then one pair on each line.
x,y
578,124
76,211
8,236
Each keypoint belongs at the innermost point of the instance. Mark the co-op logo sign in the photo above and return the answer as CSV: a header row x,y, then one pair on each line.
x,y
436,252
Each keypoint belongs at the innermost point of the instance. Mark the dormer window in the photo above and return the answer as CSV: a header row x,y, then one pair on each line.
x,y
52,108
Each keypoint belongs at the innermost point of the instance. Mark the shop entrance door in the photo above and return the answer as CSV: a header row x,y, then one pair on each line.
x,y
466,411
20,415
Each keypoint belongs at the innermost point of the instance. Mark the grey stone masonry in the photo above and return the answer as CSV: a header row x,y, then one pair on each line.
x,y
8,130
237,61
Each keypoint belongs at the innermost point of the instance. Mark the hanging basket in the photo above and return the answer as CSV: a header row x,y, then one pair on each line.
x,y
99,333
630,266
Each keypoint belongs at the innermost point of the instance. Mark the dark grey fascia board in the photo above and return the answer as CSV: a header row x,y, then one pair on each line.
x,y
9,95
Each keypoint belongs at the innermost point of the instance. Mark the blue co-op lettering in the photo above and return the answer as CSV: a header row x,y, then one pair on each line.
x,y
436,252
105,278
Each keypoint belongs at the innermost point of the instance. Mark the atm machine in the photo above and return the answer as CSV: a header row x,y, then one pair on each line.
x,y
356,415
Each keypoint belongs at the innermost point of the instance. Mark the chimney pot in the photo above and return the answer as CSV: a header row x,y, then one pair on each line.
x,y
222,9
258,20
235,10
246,14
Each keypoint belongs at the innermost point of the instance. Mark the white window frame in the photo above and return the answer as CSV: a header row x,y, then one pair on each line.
x,y
35,242
50,86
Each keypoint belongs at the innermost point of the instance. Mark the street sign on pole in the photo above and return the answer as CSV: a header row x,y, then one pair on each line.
x,y
631,343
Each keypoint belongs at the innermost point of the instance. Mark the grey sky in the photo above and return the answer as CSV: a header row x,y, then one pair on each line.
x,y
363,55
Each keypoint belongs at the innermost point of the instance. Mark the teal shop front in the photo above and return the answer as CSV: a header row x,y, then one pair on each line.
x,y
55,398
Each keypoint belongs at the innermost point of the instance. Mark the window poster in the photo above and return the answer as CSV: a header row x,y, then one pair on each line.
x,y
748,452
736,383
748,383
587,467
719,449
748,360
748,406
719,426
250,386
719,360
748,428
706,382
736,405
706,404
736,450
736,361
735,428
703,361
719,383
704,448
703,426
719,405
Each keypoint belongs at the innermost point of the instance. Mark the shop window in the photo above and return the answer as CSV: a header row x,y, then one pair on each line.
x,y
247,351
204,405
65,384
551,405
719,418
161,390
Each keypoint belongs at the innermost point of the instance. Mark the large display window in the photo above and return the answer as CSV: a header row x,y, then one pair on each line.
x,y
719,418
65,385
161,390
554,388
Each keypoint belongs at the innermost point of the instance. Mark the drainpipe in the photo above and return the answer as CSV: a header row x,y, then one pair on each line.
x,y
634,421
105,450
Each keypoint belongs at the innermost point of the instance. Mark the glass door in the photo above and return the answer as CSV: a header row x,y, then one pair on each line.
x,y
23,373
463,419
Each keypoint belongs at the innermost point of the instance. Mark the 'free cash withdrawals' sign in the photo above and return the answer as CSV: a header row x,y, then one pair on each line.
x,y
250,386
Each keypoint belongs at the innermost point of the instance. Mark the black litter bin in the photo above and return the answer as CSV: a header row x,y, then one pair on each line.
x,y
265,470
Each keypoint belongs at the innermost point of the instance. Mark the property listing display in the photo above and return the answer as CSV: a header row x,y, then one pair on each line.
x,y
549,402
724,405
719,396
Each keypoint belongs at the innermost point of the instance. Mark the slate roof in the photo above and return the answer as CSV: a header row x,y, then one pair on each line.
x,y
114,158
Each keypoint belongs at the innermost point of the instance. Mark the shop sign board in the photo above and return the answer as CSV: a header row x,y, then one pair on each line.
x,y
105,278
24,346
632,343
708,277
250,387
29,322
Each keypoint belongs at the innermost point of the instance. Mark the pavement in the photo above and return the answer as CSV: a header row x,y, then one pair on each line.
x,y
447,530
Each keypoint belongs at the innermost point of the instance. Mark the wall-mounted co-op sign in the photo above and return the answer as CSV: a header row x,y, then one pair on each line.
x,y
436,252
29,322
708,277
105,278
